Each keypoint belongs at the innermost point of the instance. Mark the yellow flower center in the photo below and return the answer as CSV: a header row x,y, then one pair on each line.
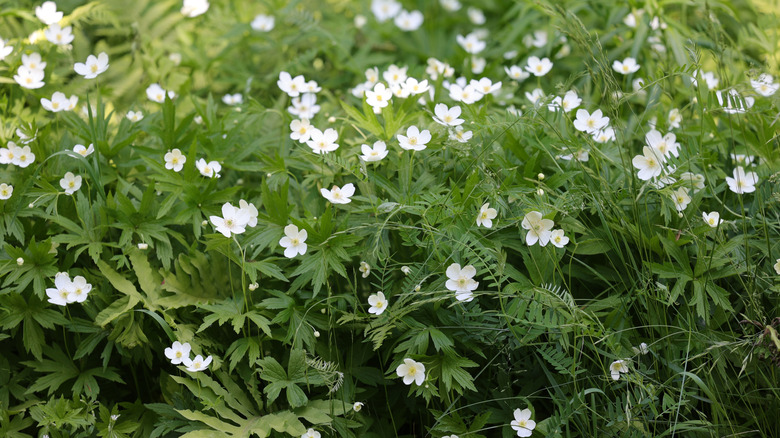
x,y
71,184
55,105
178,354
94,68
295,242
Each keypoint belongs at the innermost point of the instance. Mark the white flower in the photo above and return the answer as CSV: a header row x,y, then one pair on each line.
x,y
339,195
234,220
304,106
233,99
764,85
649,164
486,216
143,246
357,406
538,228
250,210
63,287
604,135
471,43
59,102
674,118
292,86
478,65
694,181
535,95
379,97
294,241
385,9
681,199
414,140
538,39
79,290
28,78
626,67
210,169
311,433
70,183
777,267
538,67
5,50
460,135
378,303
178,352
712,218
709,78
643,349
300,130
450,5
616,368
742,182
6,191
447,116
197,364
93,66
569,102
263,23
461,281
47,13
558,239
663,146
413,87
193,8
376,153
590,123
323,142
174,160
406,270
409,21
581,155
516,73
365,269
84,151
735,103
476,16
523,424
59,36
411,371
156,93
20,156
135,116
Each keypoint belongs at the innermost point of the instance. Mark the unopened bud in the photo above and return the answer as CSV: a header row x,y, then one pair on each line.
x,y
20,261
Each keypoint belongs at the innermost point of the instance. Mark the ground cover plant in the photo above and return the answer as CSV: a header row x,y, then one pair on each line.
x,y
389,218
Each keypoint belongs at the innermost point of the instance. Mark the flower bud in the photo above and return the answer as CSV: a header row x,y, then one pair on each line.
x,y
143,246
20,261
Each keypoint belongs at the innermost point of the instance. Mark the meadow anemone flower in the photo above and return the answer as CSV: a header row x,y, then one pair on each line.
x,y
412,86
485,86
409,21
734,102
604,135
156,93
558,239
712,218
63,287
664,146
385,9
209,169
523,424
458,134
33,61
590,123
694,181
292,86
84,151
516,73
234,220
674,118
476,16
378,303
79,290
323,142
263,23
742,182
626,67
294,241
538,67
471,43
411,371
304,106
339,195
486,215
467,94
70,183
681,199
461,281
414,140
197,364
535,95
777,267
709,78
447,116
174,160
539,229
568,102
649,164
178,352
233,99
135,116
357,406
311,433
28,78
59,102
365,269
47,13
59,36
300,130
5,50
6,190
93,66
375,153
538,39
379,97
450,5
765,85
478,65
617,367
193,8
21,156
